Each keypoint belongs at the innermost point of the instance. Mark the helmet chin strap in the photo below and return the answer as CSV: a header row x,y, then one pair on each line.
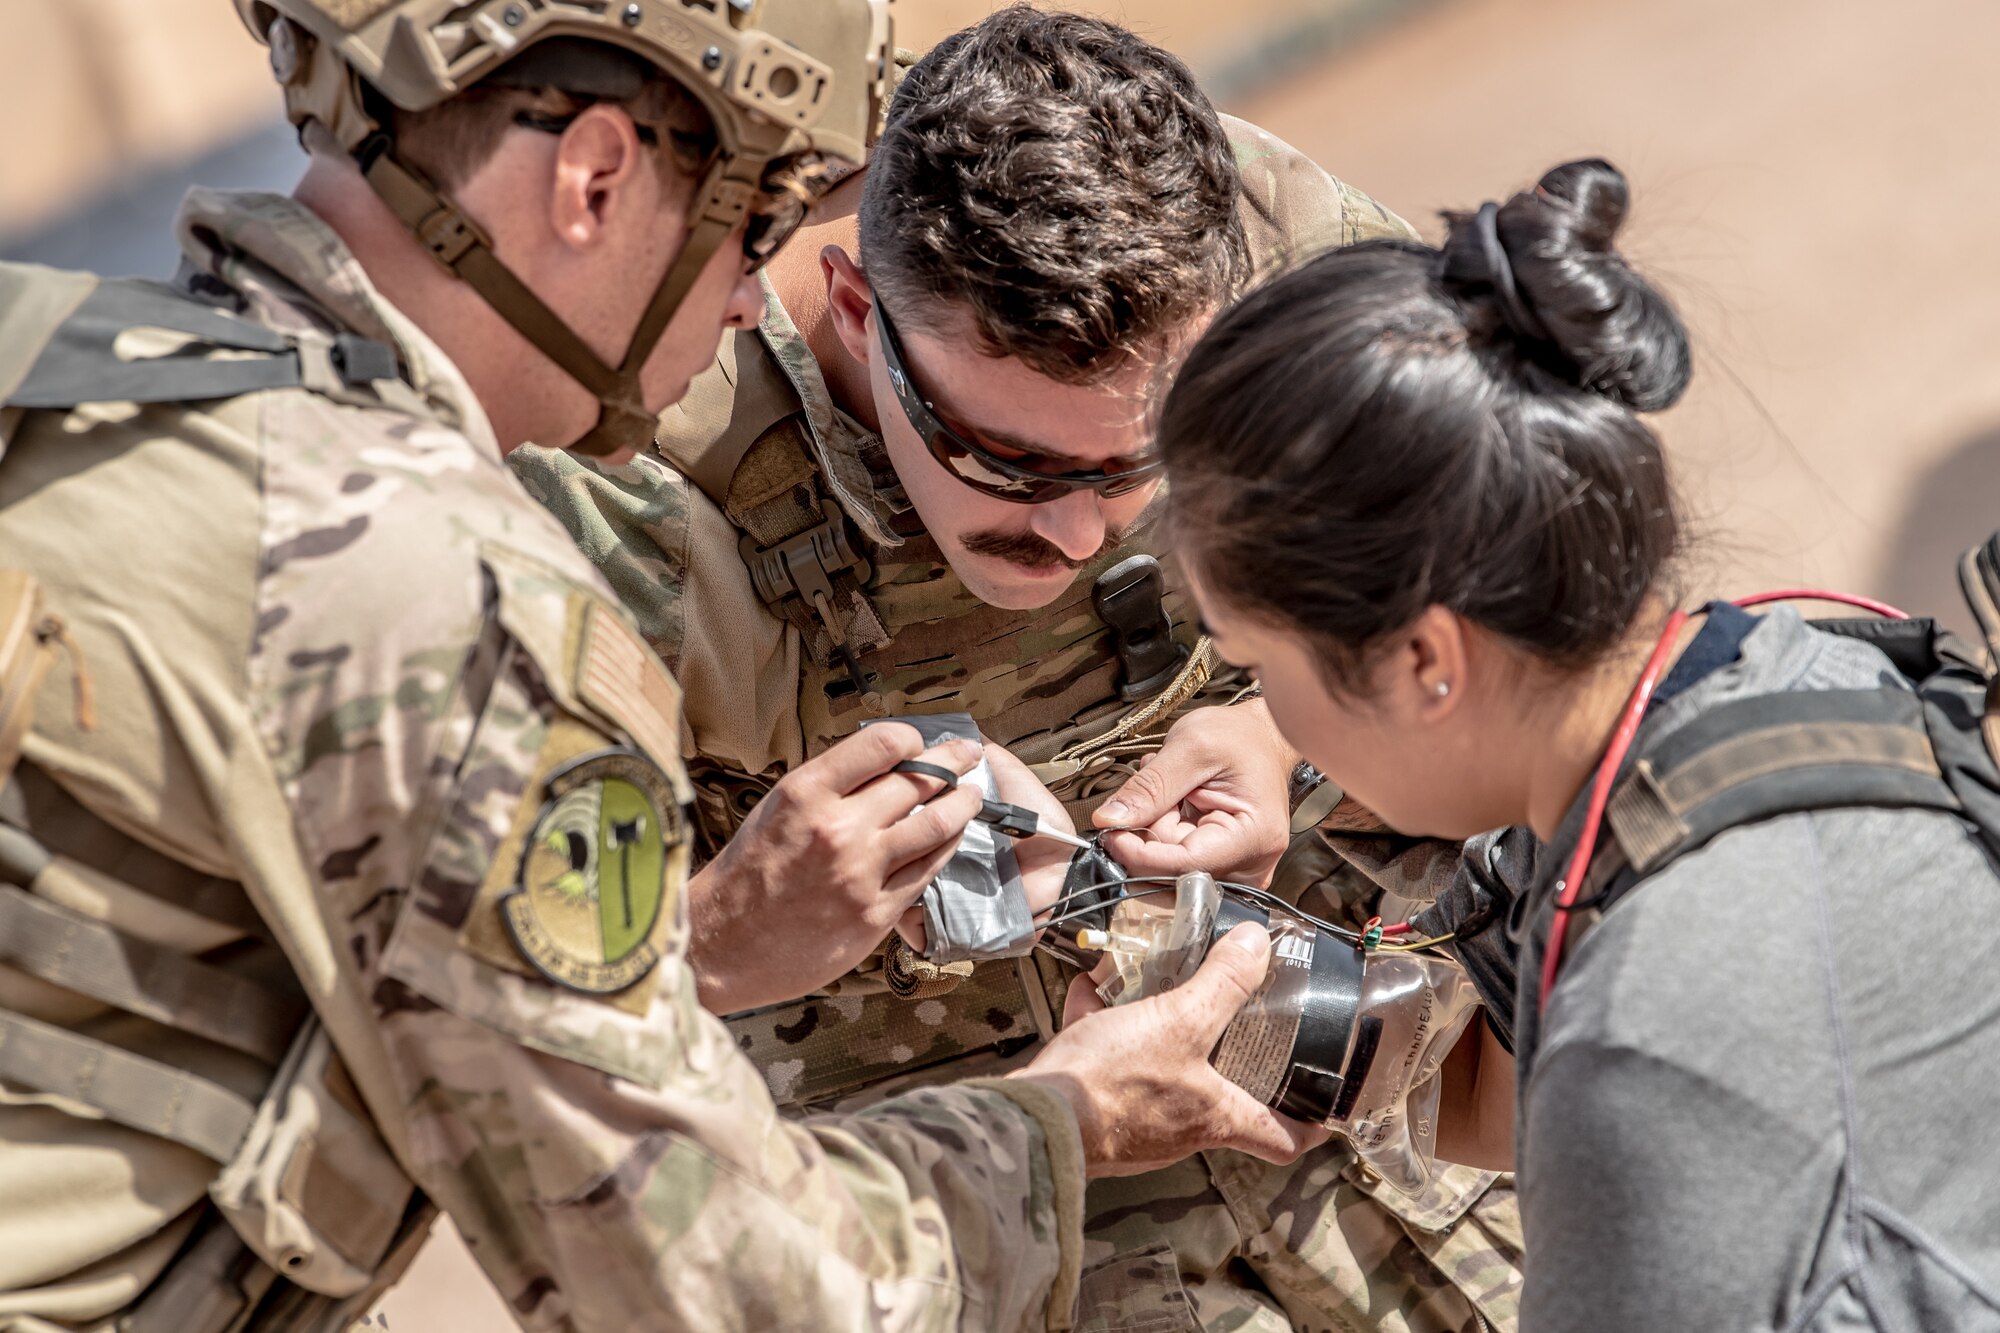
x,y
463,247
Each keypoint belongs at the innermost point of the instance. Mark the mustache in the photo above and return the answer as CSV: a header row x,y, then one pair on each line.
x,y
1032,552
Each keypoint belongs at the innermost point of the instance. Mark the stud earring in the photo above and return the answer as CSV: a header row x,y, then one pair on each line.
x,y
1443,688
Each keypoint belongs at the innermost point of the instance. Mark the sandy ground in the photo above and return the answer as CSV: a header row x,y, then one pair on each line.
x,y
1814,182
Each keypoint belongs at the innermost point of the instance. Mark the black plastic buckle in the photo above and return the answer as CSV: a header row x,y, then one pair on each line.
x,y
1129,598
361,361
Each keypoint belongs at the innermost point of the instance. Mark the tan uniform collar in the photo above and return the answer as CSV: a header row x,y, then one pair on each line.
x,y
850,456
299,275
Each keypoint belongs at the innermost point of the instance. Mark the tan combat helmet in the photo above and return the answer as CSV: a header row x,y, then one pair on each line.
x,y
780,78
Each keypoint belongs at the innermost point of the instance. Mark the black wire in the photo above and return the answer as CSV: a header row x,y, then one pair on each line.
x,y
1098,903
1165,883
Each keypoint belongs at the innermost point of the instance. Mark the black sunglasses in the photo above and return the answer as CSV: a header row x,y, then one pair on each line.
x,y
981,469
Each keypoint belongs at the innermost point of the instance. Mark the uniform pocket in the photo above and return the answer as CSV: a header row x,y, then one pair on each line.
x,y
1136,1292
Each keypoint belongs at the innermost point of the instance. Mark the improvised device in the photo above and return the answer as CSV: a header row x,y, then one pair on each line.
x,y
1348,1030
780,79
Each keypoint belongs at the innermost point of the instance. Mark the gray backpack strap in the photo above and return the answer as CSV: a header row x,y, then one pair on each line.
x,y
1756,759
1775,754
124,1087
71,350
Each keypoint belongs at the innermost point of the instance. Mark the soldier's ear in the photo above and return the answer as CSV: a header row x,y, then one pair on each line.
x,y
596,159
849,299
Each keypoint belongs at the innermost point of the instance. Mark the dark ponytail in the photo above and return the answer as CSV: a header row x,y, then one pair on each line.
x,y
1392,427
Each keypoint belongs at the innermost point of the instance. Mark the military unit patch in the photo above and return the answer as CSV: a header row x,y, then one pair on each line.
x,y
594,882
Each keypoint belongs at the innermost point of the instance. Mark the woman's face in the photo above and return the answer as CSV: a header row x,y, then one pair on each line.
x,y
1416,756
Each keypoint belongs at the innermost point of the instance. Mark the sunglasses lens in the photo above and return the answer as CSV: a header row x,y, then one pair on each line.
x,y
977,473
775,223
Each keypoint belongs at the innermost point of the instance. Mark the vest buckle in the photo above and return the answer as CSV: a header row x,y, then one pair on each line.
x,y
1129,599
804,566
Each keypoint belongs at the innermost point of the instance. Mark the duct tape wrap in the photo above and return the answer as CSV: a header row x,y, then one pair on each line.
x,y
976,908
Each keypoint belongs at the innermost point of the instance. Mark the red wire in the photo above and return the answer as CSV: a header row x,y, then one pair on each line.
x,y
1400,928
1821,595
1621,743
1600,794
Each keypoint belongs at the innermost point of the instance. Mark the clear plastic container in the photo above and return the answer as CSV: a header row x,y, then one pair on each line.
x,y
1349,1038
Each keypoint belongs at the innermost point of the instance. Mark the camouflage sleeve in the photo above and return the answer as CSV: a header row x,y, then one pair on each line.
x,y
632,522
670,554
500,867
595,1134
1293,209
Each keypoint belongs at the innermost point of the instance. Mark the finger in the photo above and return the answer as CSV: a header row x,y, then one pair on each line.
x,y
905,884
882,801
910,925
1169,827
1260,1131
1218,844
1082,1000
1017,784
1159,853
1226,980
1159,785
868,753
1147,795
936,827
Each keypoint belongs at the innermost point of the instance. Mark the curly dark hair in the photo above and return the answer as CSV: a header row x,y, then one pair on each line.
x,y
1065,181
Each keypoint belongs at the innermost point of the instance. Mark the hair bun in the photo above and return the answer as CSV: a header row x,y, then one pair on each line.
x,y
1546,260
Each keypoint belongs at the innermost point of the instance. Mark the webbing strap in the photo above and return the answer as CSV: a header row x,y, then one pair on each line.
x,y
135,1092
67,949
775,497
1775,754
42,812
463,246
83,361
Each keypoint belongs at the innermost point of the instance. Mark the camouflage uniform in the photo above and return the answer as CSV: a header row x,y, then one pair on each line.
x,y
348,676
1221,1241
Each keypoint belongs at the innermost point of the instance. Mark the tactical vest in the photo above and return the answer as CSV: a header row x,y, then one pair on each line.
x,y
311,1217
892,631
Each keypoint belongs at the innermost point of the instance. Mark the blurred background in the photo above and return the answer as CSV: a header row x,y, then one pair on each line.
x,y
1816,184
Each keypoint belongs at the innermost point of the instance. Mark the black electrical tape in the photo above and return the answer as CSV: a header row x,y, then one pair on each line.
x,y
1093,883
1366,1042
1333,999
1312,1079
922,769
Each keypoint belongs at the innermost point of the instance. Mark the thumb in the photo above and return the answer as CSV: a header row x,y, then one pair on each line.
x,y
1228,977
1153,791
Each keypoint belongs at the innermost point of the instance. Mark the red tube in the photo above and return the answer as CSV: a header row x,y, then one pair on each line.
x,y
1600,795
1821,595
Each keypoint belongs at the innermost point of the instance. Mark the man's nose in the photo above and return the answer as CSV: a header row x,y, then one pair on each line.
x,y
1073,524
746,303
